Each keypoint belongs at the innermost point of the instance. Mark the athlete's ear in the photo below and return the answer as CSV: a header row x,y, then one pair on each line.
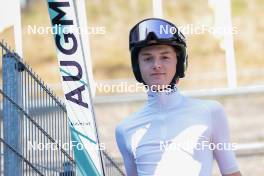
x,y
177,81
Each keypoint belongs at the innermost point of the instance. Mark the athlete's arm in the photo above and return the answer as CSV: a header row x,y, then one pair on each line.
x,y
223,154
234,174
128,158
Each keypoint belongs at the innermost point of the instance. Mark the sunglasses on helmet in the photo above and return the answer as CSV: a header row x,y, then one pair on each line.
x,y
160,29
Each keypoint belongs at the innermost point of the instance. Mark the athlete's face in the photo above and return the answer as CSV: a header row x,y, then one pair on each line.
x,y
157,64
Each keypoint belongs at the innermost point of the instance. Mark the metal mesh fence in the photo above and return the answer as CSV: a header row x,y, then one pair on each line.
x,y
40,120
35,117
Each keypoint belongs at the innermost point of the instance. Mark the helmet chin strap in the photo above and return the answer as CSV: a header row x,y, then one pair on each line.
x,y
174,80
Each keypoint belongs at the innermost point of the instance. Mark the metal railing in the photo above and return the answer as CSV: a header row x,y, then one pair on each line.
x,y
112,168
11,154
35,136
34,126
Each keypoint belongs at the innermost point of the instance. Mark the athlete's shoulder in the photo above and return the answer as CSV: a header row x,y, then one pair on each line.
x,y
125,129
208,103
213,108
130,121
213,105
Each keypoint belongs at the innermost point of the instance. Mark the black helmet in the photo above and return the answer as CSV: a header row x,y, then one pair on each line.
x,y
163,32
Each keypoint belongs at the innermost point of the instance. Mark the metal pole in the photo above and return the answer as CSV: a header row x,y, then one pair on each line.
x,y
223,20
229,48
157,8
11,116
18,28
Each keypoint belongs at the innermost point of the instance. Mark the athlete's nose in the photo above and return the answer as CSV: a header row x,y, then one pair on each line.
x,y
156,64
